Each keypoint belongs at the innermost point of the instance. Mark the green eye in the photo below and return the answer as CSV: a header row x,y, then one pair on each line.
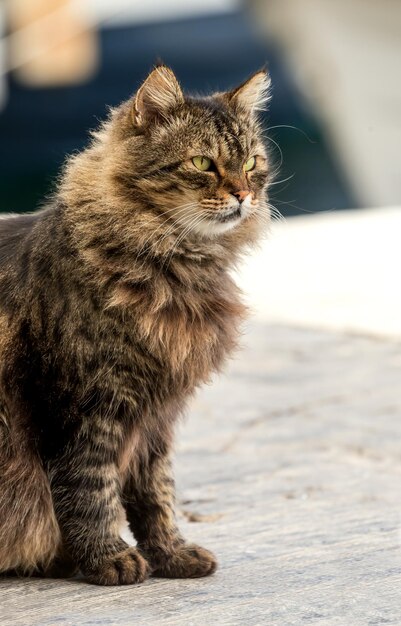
x,y
250,164
202,163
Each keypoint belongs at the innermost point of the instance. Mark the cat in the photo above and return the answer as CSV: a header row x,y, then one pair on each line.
x,y
116,303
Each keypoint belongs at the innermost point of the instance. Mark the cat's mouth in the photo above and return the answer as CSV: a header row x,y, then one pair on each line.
x,y
219,222
230,215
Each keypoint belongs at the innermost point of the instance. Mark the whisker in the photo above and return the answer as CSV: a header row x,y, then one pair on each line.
x,y
170,230
280,151
196,219
291,204
179,208
299,208
274,213
300,130
283,180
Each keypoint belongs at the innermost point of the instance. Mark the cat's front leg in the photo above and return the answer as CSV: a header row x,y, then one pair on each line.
x,y
86,494
149,499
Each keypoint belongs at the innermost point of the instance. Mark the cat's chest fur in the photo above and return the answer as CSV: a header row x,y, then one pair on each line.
x,y
188,336
175,348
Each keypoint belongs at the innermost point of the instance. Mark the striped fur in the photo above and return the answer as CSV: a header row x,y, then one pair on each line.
x,y
116,303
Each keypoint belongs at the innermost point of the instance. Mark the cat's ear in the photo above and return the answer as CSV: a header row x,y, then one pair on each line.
x,y
253,95
157,96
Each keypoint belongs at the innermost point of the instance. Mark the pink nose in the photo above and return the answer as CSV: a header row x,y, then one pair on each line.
x,y
241,195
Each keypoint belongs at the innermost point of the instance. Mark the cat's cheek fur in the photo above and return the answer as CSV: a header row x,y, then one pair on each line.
x,y
110,319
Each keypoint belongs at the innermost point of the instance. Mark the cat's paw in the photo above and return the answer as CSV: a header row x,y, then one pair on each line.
x,y
124,568
187,561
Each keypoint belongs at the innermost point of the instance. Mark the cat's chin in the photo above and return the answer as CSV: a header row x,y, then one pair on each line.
x,y
214,228
222,223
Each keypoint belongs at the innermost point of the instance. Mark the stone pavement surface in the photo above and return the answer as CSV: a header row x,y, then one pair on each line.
x,y
289,468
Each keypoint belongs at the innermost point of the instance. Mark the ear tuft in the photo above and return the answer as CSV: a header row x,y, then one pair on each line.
x,y
157,96
254,94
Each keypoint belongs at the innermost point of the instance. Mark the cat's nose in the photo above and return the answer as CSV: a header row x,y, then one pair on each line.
x,y
241,195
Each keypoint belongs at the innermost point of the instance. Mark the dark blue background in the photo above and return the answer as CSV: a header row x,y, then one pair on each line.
x,y
39,127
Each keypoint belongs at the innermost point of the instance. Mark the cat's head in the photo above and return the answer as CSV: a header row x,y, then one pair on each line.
x,y
201,162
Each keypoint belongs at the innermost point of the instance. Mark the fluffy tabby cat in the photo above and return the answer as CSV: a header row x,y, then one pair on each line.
x,y
115,304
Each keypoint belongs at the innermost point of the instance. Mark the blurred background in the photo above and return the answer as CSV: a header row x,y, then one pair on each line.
x,y
334,124
334,66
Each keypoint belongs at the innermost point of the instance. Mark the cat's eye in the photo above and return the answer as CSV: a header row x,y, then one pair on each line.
x,y
202,163
250,164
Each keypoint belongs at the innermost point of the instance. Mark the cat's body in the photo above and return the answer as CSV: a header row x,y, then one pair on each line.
x,y
114,307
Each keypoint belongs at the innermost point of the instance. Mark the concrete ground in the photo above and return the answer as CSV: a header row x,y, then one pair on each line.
x,y
288,467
